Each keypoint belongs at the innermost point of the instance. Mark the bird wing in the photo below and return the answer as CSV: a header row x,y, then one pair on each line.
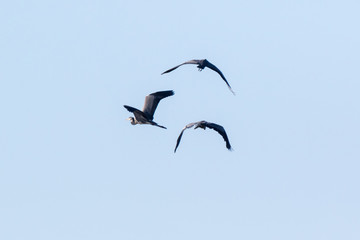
x,y
139,115
214,68
131,109
194,61
190,125
220,130
152,100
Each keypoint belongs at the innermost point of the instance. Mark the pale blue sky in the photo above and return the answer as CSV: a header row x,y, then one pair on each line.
x,y
72,167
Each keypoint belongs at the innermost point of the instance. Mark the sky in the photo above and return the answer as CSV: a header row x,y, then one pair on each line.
x,y
73,167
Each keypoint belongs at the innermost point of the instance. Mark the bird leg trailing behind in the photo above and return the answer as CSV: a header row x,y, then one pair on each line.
x,y
155,124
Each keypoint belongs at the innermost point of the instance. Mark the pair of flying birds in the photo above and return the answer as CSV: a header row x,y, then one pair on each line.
x,y
146,116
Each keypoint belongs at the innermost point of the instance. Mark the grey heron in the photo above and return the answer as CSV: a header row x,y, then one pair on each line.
x,y
146,116
204,125
201,64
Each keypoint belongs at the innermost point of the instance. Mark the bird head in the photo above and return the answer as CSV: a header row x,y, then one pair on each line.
x,y
132,120
200,126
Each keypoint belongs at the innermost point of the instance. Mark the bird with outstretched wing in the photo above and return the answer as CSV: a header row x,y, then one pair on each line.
x,y
204,125
201,64
146,116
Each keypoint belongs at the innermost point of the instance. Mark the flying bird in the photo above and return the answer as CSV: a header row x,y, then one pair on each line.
x,y
201,64
203,125
146,116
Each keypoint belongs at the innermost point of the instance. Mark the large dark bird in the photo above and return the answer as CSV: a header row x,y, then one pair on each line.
x,y
201,64
203,125
146,116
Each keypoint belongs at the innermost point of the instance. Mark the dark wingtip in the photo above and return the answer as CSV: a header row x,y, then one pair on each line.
x,y
172,93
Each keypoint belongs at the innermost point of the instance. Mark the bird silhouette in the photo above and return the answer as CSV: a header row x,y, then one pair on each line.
x,y
204,125
146,116
201,64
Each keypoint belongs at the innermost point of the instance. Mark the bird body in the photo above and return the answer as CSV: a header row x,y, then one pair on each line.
x,y
204,125
201,64
146,116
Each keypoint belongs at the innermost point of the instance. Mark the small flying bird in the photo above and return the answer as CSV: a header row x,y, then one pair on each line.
x,y
203,125
201,64
146,116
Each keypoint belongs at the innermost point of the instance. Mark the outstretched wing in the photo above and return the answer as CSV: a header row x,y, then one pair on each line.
x,y
131,109
190,125
220,130
152,100
188,62
213,67
139,115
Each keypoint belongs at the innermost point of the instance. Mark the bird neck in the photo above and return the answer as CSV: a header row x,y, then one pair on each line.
x,y
133,121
